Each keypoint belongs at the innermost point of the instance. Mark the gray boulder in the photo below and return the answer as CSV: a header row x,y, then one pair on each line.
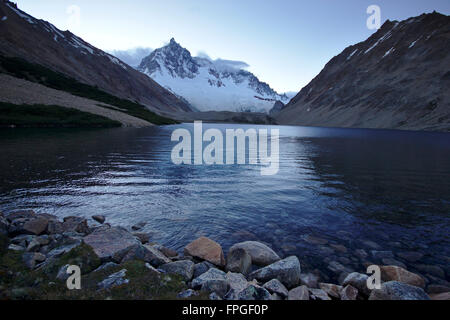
x,y
332,290
32,226
75,224
62,273
237,283
358,281
189,293
318,294
349,293
212,274
184,268
254,292
299,293
309,279
394,290
15,247
261,254
106,266
111,244
143,253
139,226
155,257
238,260
275,286
23,214
202,267
166,251
219,287
142,236
114,280
287,271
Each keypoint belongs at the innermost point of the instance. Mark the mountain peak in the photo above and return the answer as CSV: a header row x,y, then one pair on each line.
x,y
207,84
173,58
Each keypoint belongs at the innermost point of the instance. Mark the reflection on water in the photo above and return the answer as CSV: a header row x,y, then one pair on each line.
x,y
337,191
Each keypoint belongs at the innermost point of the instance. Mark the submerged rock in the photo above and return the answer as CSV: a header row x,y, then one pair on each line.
x,y
309,279
411,256
337,267
382,254
315,240
429,269
206,249
100,219
139,226
261,254
393,262
440,296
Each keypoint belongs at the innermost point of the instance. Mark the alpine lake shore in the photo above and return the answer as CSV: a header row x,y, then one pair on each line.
x,y
116,263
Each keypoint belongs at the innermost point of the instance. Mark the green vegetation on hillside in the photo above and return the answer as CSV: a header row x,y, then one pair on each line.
x,y
37,73
50,116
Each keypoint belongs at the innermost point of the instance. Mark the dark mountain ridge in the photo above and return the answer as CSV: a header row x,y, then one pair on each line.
x,y
399,78
40,42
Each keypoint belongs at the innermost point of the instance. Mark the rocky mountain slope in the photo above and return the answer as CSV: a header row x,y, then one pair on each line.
x,y
40,42
208,85
399,78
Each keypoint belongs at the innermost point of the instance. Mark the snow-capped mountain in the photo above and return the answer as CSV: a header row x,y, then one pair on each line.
x,y
218,85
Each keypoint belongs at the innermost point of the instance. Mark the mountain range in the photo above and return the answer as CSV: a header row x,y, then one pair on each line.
x,y
209,85
399,78
40,42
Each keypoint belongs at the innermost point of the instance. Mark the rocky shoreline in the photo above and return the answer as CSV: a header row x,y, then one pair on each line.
x,y
37,249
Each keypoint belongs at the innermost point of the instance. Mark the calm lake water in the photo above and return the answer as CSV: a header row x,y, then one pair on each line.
x,y
337,190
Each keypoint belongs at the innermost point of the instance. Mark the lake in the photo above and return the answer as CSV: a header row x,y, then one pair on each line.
x,y
337,191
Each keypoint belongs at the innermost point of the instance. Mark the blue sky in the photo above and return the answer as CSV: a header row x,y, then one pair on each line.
x,y
285,42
